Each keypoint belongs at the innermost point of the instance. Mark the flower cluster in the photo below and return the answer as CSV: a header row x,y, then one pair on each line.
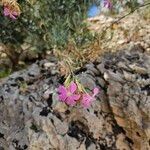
x,y
107,4
10,13
11,9
71,95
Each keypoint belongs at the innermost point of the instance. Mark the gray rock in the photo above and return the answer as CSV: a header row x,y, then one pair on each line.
x,y
32,117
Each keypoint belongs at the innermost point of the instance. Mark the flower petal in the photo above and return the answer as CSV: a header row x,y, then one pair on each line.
x,y
62,93
12,17
95,91
76,96
62,90
62,97
70,101
6,11
72,87
15,13
86,101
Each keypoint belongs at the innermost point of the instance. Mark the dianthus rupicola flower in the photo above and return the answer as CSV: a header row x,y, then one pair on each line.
x,y
68,94
107,4
9,12
87,99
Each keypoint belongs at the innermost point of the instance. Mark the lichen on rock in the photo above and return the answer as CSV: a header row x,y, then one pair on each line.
x,y
32,117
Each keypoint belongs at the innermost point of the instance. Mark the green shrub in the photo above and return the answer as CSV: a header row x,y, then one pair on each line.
x,y
43,25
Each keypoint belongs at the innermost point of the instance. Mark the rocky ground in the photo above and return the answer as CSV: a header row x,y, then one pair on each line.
x,y
130,30
31,117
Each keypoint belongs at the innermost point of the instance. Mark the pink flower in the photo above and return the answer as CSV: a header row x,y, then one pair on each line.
x,y
107,4
10,13
88,99
68,95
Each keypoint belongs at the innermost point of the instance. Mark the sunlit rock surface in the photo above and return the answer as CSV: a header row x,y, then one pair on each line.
x,y
132,29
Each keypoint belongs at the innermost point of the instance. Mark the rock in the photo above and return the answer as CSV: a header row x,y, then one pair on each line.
x,y
37,120
113,76
138,69
87,80
101,68
101,82
92,68
128,99
48,65
128,76
34,70
32,117
46,94
126,32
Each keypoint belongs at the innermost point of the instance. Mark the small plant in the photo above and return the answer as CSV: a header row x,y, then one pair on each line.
x,y
5,73
39,26
73,93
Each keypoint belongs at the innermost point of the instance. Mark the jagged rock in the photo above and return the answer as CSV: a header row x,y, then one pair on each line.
x,y
130,100
32,117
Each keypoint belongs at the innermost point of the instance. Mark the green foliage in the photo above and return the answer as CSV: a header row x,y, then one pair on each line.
x,y
47,24
44,24
5,73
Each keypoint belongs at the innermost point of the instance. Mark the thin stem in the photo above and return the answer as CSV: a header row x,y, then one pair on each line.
x,y
132,11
